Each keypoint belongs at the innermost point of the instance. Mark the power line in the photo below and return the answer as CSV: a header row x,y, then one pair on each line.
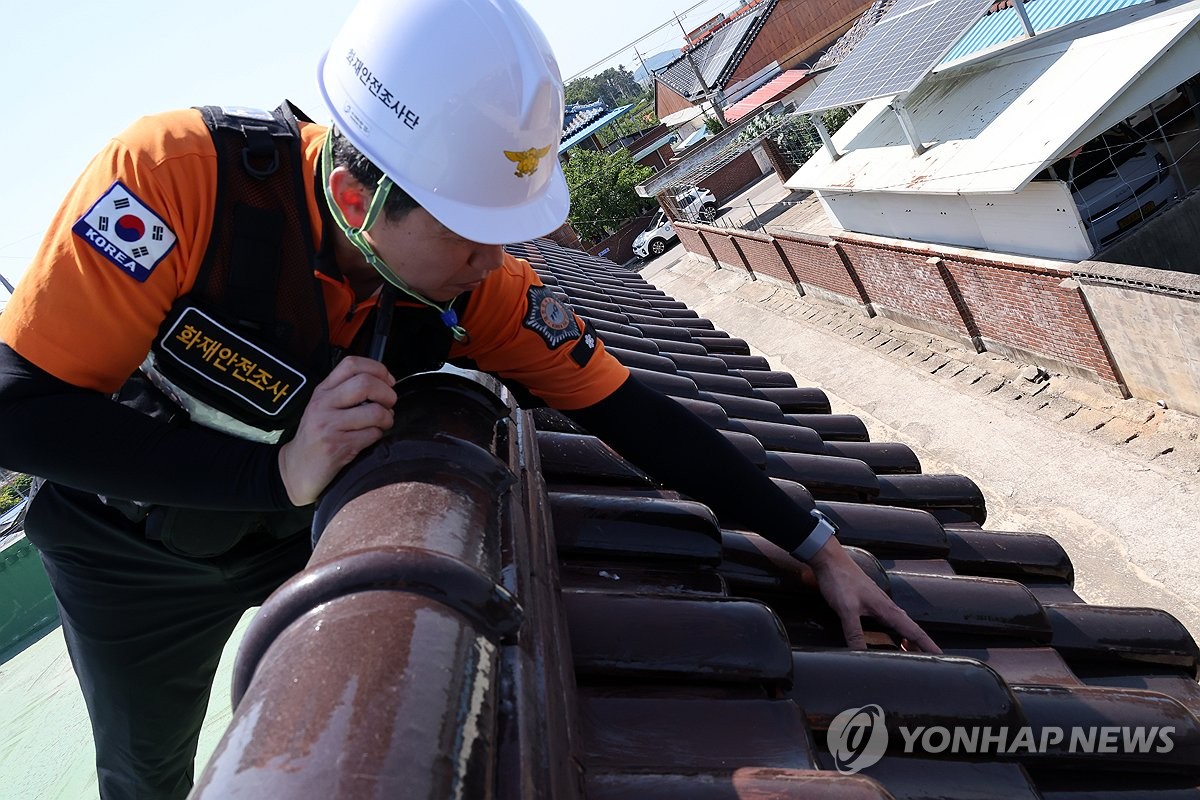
x,y
625,47
18,241
725,7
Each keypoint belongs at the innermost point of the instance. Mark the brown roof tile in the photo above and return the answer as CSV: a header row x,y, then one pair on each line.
x,y
667,653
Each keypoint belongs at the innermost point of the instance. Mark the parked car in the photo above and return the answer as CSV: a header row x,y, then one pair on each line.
x,y
695,204
653,241
1118,181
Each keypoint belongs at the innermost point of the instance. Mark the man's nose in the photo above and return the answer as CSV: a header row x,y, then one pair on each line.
x,y
486,258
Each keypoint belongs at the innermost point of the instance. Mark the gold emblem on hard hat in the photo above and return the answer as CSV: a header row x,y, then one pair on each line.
x,y
527,160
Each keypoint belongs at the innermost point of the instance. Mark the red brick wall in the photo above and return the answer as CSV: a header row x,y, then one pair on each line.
x,y
620,244
906,281
1029,308
1019,305
566,236
795,30
759,251
658,159
689,236
722,247
817,263
667,101
725,182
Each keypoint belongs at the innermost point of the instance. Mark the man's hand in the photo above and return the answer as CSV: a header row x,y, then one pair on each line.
x,y
852,595
349,411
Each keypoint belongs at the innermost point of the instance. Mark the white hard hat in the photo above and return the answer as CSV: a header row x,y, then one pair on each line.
x,y
460,103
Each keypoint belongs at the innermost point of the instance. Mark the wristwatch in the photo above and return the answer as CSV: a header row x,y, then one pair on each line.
x,y
816,538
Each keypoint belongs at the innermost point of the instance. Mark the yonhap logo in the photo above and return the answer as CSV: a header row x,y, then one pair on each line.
x,y
857,738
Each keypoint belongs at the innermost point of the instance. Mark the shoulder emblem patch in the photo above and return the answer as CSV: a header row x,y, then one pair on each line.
x,y
124,230
549,317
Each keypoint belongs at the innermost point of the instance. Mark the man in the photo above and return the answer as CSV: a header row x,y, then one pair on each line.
x,y
219,273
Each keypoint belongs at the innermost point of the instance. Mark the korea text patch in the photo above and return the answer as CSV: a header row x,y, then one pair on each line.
x,y
124,230
549,317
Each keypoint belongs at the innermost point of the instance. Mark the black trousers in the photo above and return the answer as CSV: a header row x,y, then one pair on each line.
x,y
145,629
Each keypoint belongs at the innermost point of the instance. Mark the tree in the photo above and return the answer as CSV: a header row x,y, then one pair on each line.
x,y
614,85
14,491
582,90
640,118
602,195
794,134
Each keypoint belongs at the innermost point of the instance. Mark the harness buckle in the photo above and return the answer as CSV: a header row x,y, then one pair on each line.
x,y
259,145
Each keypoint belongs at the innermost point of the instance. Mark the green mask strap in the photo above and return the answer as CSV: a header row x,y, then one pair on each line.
x,y
357,237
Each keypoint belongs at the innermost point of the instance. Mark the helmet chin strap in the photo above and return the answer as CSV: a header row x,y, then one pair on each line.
x,y
357,237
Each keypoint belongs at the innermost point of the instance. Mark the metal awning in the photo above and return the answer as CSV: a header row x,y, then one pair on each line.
x,y
770,91
1004,25
657,143
991,125
579,136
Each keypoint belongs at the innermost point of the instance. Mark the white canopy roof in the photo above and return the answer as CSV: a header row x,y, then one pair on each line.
x,y
991,124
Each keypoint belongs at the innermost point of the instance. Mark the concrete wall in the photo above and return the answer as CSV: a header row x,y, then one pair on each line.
x,y
1151,321
1029,309
1169,241
1041,220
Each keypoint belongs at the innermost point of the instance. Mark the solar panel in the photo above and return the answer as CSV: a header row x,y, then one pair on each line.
x,y
892,59
902,6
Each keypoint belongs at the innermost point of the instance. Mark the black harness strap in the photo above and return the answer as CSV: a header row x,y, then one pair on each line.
x,y
251,337
254,262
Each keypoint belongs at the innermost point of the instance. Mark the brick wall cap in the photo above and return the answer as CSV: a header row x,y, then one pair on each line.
x,y
804,238
1140,277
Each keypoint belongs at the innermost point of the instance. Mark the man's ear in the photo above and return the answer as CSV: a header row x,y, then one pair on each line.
x,y
350,196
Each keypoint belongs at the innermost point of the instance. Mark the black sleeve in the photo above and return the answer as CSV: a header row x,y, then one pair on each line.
x,y
669,442
83,439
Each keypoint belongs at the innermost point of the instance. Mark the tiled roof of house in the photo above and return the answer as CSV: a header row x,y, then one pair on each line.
x,y
578,115
717,56
850,39
686,657
581,121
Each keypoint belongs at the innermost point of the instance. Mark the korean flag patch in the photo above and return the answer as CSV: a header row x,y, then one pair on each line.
x,y
550,318
124,230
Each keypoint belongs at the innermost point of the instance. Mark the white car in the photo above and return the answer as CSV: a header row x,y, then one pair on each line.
x,y
695,204
653,241
1118,181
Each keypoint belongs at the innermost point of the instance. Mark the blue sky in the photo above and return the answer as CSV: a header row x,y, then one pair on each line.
x,y
75,72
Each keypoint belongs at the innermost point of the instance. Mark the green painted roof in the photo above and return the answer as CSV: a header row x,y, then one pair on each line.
x,y
45,738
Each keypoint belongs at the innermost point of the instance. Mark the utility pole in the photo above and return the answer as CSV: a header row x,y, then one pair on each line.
x,y
7,285
642,61
707,94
